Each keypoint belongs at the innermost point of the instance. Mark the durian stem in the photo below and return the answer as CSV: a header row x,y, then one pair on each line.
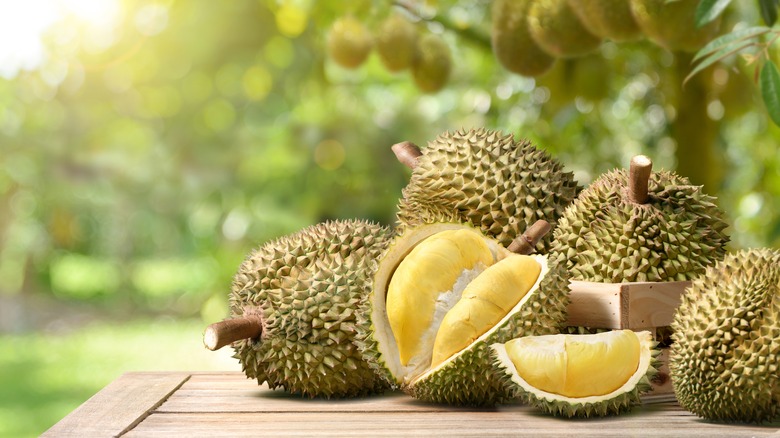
x,y
639,177
526,244
407,153
226,332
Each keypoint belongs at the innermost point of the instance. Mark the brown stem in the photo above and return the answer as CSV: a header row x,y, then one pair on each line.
x,y
225,332
526,244
639,176
407,153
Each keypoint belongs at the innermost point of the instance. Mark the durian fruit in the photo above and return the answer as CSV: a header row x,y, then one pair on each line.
x,y
725,361
293,310
488,179
396,43
608,19
671,24
443,292
512,43
432,64
349,42
579,375
640,226
558,31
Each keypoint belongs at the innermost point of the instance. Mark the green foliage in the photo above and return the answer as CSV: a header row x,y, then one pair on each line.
x,y
770,90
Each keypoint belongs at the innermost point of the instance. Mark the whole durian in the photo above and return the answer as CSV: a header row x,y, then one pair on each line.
x,y
349,42
725,361
443,293
609,19
671,24
396,43
432,64
607,235
512,43
557,30
488,179
302,293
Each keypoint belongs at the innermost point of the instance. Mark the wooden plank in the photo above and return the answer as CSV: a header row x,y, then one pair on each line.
x,y
633,306
653,304
232,392
663,382
119,406
594,305
527,422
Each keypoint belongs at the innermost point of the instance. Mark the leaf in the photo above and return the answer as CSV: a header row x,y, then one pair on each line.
x,y
708,10
768,11
717,56
722,41
769,82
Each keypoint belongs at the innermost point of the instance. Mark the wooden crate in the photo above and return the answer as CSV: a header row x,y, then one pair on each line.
x,y
179,404
634,306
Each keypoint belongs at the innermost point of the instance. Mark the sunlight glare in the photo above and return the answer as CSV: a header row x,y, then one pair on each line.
x,y
22,25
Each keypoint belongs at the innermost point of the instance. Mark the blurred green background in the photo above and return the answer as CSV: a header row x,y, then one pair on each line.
x,y
147,146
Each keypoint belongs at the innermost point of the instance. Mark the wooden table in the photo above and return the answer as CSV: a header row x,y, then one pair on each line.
x,y
169,404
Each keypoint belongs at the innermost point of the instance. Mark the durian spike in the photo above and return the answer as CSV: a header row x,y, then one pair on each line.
x,y
407,153
226,332
639,176
526,244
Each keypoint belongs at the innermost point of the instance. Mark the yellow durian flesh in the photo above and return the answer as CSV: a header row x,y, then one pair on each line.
x,y
484,302
430,269
577,365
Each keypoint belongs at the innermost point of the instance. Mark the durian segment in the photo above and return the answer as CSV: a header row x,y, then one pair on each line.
x,y
561,373
483,303
490,180
725,359
307,288
576,365
431,269
604,237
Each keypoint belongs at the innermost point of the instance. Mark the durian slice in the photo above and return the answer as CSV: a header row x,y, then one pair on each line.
x,y
579,375
459,372
725,359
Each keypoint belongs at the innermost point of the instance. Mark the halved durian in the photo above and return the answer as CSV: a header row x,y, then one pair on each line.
x,y
579,375
442,293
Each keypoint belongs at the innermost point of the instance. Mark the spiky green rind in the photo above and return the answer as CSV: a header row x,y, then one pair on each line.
x,y
618,404
488,180
725,361
466,379
306,287
605,237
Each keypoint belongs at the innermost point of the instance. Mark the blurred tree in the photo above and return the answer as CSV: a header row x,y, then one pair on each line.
x,y
157,142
